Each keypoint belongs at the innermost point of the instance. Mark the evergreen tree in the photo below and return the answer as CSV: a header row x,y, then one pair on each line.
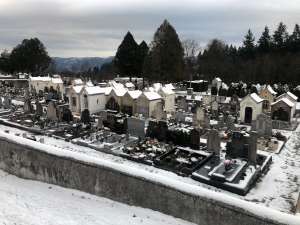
x,y
279,39
5,64
30,56
164,61
294,40
264,42
248,46
140,54
125,56
253,90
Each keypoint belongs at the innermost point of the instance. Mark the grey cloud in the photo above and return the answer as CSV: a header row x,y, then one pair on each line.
x,y
96,28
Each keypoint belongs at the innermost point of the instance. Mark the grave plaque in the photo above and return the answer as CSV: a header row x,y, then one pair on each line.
x,y
237,148
136,127
51,111
213,142
195,139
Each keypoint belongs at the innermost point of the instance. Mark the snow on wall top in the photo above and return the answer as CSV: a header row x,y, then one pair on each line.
x,y
259,210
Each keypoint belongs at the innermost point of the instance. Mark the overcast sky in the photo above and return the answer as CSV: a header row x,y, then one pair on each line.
x,y
95,28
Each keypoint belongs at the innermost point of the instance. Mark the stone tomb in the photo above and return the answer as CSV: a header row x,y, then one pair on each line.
x,y
51,111
135,127
213,142
238,147
262,125
7,102
195,139
39,109
159,113
85,116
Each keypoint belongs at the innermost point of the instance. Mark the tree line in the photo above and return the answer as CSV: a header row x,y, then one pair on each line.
x,y
274,58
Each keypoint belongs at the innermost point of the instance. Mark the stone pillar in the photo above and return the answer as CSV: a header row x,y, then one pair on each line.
x,y
213,142
253,148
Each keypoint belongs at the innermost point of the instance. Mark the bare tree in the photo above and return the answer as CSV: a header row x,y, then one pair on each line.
x,y
191,50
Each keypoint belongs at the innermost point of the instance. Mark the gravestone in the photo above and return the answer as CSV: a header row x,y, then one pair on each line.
x,y
1,101
200,114
253,148
51,111
103,116
262,125
195,139
33,91
213,142
135,127
39,109
67,115
26,105
26,92
85,116
182,104
49,96
162,128
7,102
237,147
159,113
215,107
31,109
150,128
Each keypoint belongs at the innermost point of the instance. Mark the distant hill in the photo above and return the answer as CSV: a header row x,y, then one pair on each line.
x,y
65,63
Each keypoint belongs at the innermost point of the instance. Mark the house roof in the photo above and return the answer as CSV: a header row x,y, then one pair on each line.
x,y
170,86
93,90
271,90
40,78
167,91
57,80
120,91
135,94
76,89
129,84
106,90
256,98
292,96
286,101
116,85
152,95
217,79
78,81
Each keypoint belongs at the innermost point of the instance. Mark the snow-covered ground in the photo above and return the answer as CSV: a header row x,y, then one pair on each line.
x,y
32,202
278,189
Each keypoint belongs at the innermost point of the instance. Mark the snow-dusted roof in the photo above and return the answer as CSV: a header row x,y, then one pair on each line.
x,y
287,101
217,79
151,89
167,91
292,96
135,94
129,84
89,84
116,85
256,98
93,90
106,90
120,92
57,80
40,78
78,81
76,89
156,86
271,90
152,95
170,86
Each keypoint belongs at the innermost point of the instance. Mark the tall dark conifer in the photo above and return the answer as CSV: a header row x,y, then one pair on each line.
x,y
263,44
249,46
279,39
125,56
294,40
165,55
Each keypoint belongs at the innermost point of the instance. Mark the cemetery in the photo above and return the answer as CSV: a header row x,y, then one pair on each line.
x,y
204,137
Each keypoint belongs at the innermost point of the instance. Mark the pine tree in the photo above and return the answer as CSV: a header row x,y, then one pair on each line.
x,y
164,61
279,39
294,40
264,42
125,56
248,45
139,56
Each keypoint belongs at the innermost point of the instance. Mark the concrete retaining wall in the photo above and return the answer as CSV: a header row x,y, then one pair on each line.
x,y
27,161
